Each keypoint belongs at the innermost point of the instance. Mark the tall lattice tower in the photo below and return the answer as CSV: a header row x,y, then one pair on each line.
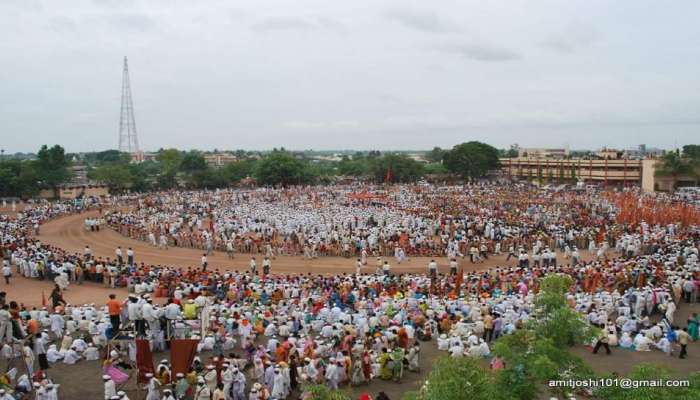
x,y
128,141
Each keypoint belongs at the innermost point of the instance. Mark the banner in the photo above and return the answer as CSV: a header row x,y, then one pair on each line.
x,y
182,353
144,359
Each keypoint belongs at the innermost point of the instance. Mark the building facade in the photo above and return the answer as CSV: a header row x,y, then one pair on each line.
x,y
606,172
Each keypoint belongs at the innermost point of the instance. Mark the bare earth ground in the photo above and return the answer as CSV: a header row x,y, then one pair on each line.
x,y
83,380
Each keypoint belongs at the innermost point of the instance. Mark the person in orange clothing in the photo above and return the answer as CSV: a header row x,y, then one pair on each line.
x,y
281,352
32,326
403,338
114,307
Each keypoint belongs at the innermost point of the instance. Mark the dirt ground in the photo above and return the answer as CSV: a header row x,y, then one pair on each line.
x,y
83,380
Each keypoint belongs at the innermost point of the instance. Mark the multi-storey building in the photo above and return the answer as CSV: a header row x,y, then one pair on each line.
x,y
607,171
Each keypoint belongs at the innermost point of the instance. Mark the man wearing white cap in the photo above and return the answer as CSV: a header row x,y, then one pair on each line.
x,y
210,378
110,387
152,387
5,396
278,386
202,392
254,393
168,395
227,378
238,385
40,391
181,386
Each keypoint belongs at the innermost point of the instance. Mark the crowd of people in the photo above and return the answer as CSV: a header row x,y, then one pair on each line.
x,y
342,221
263,335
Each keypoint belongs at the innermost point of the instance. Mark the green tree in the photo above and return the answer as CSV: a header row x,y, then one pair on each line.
x,y
117,177
539,351
193,161
472,160
437,169
169,161
196,173
18,178
282,168
554,319
512,152
457,379
396,167
235,171
692,151
111,156
52,166
674,166
435,155
357,166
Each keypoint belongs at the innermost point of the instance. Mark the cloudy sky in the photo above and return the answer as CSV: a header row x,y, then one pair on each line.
x,y
361,74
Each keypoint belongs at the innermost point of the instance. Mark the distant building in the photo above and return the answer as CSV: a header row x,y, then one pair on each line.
x,y
417,157
78,186
328,157
542,152
218,160
72,191
141,156
611,154
79,172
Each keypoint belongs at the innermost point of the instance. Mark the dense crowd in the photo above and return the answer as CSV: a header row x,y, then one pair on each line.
x,y
339,220
263,335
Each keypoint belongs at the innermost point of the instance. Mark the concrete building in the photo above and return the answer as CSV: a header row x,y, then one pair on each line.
x,y
73,191
607,172
653,183
142,156
218,160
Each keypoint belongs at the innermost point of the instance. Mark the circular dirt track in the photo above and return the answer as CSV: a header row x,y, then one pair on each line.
x,y
69,233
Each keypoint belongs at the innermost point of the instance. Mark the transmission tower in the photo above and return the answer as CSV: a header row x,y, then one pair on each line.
x,y
128,141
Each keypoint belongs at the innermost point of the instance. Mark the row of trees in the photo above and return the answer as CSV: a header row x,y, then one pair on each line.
x,y
173,168
28,177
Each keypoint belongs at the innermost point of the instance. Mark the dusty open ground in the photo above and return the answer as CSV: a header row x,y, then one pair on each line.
x,y
83,380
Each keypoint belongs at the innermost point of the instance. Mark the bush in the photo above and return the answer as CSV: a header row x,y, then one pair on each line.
x,y
457,379
323,392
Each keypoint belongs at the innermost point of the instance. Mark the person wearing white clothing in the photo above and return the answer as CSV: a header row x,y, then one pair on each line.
x,y
110,387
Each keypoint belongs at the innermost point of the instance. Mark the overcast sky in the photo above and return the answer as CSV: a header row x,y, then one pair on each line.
x,y
360,74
